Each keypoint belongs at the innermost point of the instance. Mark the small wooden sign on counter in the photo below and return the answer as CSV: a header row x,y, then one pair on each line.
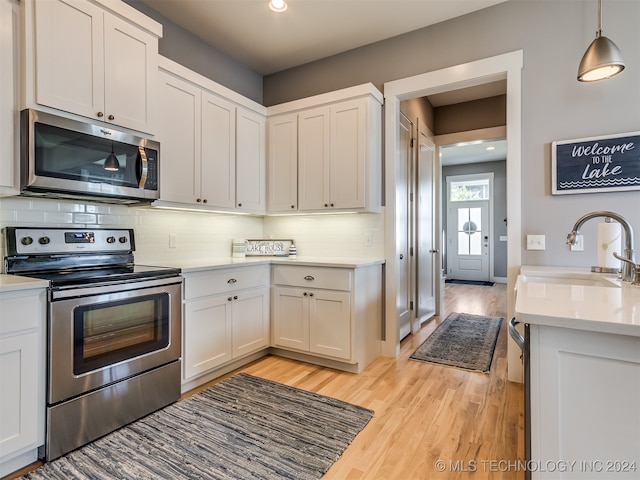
x,y
278,248
600,164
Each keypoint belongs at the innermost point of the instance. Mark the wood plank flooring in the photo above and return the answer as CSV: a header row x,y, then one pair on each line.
x,y
424,413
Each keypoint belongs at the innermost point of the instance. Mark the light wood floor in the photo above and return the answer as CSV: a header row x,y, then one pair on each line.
x,y
424,412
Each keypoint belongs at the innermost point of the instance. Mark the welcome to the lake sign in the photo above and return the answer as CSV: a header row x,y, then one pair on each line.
x,y
604,164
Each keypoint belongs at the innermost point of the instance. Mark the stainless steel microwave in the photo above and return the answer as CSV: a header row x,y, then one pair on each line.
x,y
64,158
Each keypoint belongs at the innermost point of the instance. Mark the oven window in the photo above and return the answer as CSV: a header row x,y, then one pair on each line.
x,y
108,333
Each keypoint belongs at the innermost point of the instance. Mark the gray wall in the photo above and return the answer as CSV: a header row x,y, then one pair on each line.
x,y
460,117
499,169
186,49
553,36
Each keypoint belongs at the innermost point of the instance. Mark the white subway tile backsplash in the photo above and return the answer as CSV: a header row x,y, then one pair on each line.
x,y
84,218
201,235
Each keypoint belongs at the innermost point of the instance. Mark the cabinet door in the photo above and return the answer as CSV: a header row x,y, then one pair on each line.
x,y
313,159
131,66
69,49
291,318
282,162
179,132
218,152
19,361
207,334
250,161
348,154
330,323
250,320
9,96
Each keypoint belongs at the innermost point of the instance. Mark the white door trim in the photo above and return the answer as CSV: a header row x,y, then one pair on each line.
x,y
509,66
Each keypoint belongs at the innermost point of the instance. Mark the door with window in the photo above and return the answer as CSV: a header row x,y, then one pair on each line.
x,y
468,225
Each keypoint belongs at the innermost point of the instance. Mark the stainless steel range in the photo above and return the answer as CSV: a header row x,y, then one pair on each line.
x,y
113,330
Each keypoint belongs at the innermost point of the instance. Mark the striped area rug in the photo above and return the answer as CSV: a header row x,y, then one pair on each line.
x,y
244,427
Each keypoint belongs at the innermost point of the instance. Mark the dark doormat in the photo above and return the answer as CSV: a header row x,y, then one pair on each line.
x,y
462,340
469,282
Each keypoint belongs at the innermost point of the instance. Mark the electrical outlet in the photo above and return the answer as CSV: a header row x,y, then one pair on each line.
x,y
535,242
579,245
368,239
172,240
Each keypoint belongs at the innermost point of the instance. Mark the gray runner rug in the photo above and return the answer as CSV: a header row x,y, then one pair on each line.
x,y
462,340
244,427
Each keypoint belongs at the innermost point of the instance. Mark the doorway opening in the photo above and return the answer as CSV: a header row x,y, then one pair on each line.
x,y
507,66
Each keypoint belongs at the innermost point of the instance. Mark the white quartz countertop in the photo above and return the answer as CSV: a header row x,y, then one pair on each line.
x,y
12,283
579,299
191,266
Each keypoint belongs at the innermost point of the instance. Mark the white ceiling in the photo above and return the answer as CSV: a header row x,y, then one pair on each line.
x,y
268,42
473,152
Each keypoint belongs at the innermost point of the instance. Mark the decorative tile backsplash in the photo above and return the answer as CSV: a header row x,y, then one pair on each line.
x,y
164,235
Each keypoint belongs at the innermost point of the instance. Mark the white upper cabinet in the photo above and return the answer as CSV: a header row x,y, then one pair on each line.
x,y
282,186
251,151
179,124
96,62
333,143
213,146
9,95
218,178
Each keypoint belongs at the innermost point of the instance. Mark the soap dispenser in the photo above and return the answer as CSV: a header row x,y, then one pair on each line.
x,y
293,251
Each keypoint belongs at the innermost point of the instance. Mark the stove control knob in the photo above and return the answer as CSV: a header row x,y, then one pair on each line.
x,y
44,240
123,239
26,240
111,239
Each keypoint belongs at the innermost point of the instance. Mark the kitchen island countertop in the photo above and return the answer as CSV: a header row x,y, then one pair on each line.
x,y
606,309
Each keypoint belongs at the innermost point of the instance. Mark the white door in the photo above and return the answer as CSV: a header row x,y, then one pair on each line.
x,y
468,240
251,165
403,286
427,254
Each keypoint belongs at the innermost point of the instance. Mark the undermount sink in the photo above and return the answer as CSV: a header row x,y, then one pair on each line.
x,y
567,277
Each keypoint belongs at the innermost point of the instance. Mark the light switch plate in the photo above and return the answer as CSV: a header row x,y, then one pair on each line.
x,y
535,242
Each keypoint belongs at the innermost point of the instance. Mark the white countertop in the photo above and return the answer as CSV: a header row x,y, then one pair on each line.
x,y
191,266
12,283
595,302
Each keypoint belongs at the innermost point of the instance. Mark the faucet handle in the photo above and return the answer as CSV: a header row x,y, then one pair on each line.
x,y
635,279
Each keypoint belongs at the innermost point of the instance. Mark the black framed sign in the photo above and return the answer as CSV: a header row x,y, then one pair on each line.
x,y
600,164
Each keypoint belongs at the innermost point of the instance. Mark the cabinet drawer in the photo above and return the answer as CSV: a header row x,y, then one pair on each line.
x,y
316,277
214,282
22,312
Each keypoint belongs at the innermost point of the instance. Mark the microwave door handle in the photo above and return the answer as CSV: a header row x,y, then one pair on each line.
x,y
145,167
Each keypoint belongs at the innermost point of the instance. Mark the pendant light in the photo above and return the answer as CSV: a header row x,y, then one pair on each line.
x,y
602,59
111,164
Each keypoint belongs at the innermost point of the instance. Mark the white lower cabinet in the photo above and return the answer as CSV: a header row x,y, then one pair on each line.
x,y
226,317
329,313
22,377
313,320
585,404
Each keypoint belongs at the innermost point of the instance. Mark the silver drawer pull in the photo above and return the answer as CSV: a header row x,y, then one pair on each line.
x,y
309,277
232,280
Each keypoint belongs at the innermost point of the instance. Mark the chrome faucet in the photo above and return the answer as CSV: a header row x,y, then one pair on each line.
x,y
629,259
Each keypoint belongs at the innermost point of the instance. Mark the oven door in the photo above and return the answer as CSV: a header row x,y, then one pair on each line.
x,y
101,335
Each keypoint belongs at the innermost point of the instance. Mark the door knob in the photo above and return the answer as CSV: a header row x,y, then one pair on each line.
x,y
433,250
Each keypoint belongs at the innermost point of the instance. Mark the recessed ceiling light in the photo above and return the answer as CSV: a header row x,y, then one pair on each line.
x,y
278,5
490,148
